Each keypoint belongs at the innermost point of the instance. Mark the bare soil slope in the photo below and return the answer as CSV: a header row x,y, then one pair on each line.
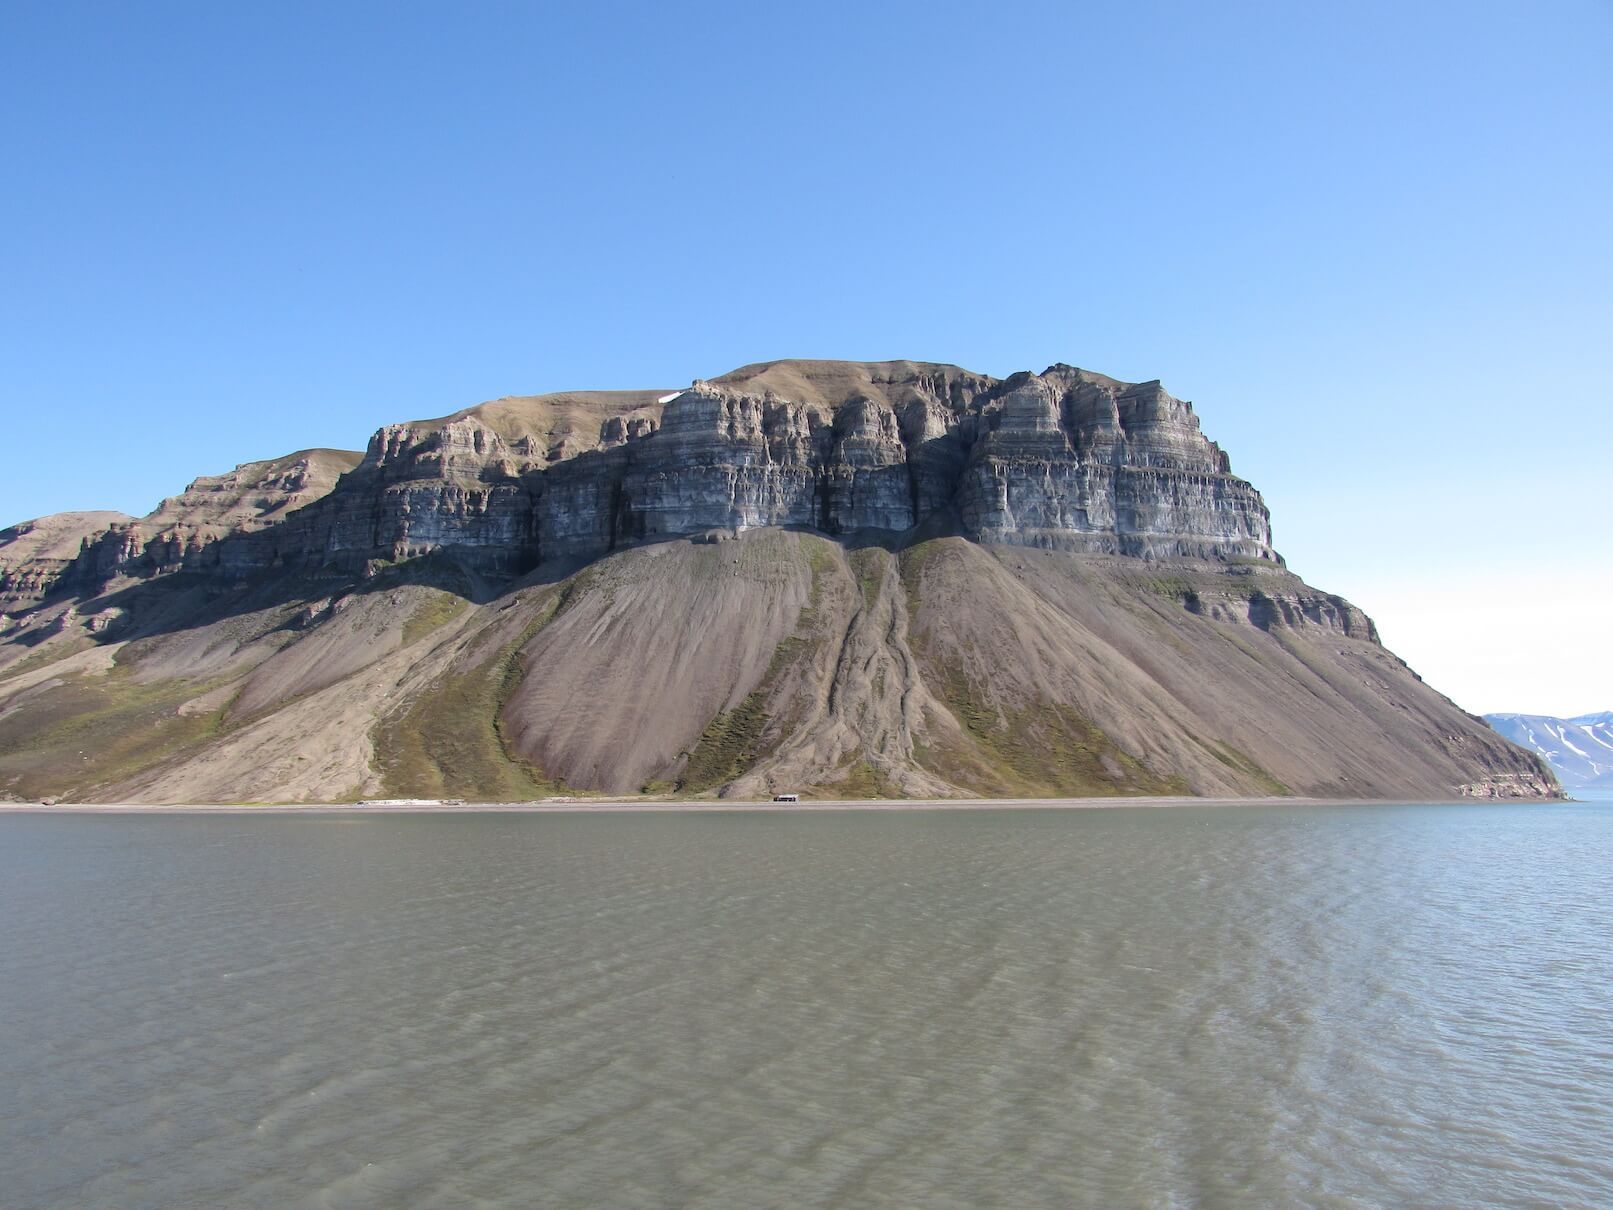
x,y
773,661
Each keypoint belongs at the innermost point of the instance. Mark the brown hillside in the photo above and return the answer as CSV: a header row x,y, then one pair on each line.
x,y
777,660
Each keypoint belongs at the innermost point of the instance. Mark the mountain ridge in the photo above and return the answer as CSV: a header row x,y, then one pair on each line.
x,y
1579,750
895,578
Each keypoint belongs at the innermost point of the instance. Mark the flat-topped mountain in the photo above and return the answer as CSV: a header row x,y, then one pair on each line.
x,y
83,551
842,578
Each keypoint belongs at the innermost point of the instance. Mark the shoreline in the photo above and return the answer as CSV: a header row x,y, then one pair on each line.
x,y
749,806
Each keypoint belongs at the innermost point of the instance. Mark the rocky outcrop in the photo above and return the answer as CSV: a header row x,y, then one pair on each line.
x,y
1501,786
1065,459
1078,461
35,555
471,484
182,531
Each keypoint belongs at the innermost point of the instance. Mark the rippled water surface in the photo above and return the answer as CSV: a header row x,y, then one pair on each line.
x,y
1203,1006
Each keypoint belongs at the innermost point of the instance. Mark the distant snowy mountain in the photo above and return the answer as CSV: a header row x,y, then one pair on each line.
x,y
1579,749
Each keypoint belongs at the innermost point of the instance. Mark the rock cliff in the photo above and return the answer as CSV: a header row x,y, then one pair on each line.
x,y
857,578
1065,459
36,555
89,550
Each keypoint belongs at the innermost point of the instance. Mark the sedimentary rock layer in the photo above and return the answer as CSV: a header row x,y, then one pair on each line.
x,y
88,550
832,577
1066,459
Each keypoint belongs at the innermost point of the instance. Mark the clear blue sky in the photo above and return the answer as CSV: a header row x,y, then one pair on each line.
x,y
1371,241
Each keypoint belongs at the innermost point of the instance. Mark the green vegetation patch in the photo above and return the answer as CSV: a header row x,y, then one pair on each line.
x,y
730,745
869,567
436,611
965,767
734,741
1178,587
1232,758
450,743
1044,750
914,561
94,731
1053,749
863,780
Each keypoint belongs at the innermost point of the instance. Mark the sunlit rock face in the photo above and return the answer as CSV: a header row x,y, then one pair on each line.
x,y
1063,459
1077,461
195,530
726,460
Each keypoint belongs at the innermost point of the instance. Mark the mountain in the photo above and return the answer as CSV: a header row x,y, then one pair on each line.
x,y
85,551
836,578
1579,750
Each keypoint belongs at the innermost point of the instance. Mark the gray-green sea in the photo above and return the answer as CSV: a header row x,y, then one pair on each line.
x,y
1174,1007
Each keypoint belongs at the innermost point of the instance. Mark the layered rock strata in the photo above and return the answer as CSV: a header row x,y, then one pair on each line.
x,y
182,531
905,579
1064,459
36,555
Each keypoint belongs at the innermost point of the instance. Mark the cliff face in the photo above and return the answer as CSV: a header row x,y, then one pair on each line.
x,y
89,550
1065,459
35,555
889,577
1074,460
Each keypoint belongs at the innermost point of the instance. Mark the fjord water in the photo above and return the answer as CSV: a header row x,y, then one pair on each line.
x,y
1195,1006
